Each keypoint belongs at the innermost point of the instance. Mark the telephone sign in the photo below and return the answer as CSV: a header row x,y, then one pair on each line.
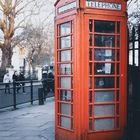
x,y
67,7
103,5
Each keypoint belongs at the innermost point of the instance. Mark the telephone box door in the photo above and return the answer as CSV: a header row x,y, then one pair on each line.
x,y
107,94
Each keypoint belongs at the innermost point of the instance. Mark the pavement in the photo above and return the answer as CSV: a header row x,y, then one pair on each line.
x,y
28,122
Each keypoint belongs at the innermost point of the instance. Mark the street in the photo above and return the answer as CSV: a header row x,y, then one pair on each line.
x,y
7,100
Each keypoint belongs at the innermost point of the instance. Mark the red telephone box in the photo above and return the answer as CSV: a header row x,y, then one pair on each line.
x,y
90,69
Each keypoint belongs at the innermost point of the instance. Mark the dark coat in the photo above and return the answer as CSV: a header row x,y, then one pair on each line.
x,y
15,77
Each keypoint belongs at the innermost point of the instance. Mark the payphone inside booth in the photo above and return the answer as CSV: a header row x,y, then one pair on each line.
x,y
90,69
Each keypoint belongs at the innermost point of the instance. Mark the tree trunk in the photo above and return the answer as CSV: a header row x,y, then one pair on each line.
x,y
7,53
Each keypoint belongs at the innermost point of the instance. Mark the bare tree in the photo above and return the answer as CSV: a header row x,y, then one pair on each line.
x,y
37,41
12,11
133,7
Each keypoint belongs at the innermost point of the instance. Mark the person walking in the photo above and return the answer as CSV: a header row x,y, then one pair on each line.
x,y
51,79
44,83
22,79
16,79
6,81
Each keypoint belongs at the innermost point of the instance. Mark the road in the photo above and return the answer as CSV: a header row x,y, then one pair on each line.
x,y
6,100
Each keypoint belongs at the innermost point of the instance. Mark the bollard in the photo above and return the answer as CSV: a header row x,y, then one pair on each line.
x,y
40,96
31,92
14,95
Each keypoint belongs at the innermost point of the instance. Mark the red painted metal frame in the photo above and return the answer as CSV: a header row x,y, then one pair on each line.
x,y
80,63
60,76
117,132
61,130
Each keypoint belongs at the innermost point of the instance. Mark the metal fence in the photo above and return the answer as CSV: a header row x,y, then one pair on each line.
x,y
20,92
134,84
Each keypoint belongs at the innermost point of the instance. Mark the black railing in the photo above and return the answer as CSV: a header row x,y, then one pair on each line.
x,y
20,92
134,83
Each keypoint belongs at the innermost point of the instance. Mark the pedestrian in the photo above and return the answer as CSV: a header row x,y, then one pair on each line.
x,y
22,80
44,83
51,80
7,80
15,76
16,80
50,74
44,75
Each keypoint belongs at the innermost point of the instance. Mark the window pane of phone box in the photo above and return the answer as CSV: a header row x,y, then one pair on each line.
x,y
104,26
104,96
104,124
65,109
65,28
66,95
104,82
65,55
104,110
65,69
104,41
104,55
65,42
65,122
104,68
65,82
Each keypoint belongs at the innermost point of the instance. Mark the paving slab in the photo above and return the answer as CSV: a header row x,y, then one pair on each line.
x,y
29,122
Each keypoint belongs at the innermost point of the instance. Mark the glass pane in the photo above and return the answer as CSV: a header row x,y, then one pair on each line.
x,y
72,126
118,82
65,122
104,96
104,55
65,95
65,55
90,40
90,83
90,25
90,54
90,110
104,68
118,68
130,57
90,68
118,56
104,82
118,123
65,82
65,42
118,41
65,69
104,26
71,109
65,109
118,95
65,28
136,57
72,56
118,27
104,124
104,110
90,124
130,45
90,96
117,109
136,44
104,40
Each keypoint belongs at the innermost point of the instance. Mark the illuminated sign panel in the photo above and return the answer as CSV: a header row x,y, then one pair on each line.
x,y
103,5
67,7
